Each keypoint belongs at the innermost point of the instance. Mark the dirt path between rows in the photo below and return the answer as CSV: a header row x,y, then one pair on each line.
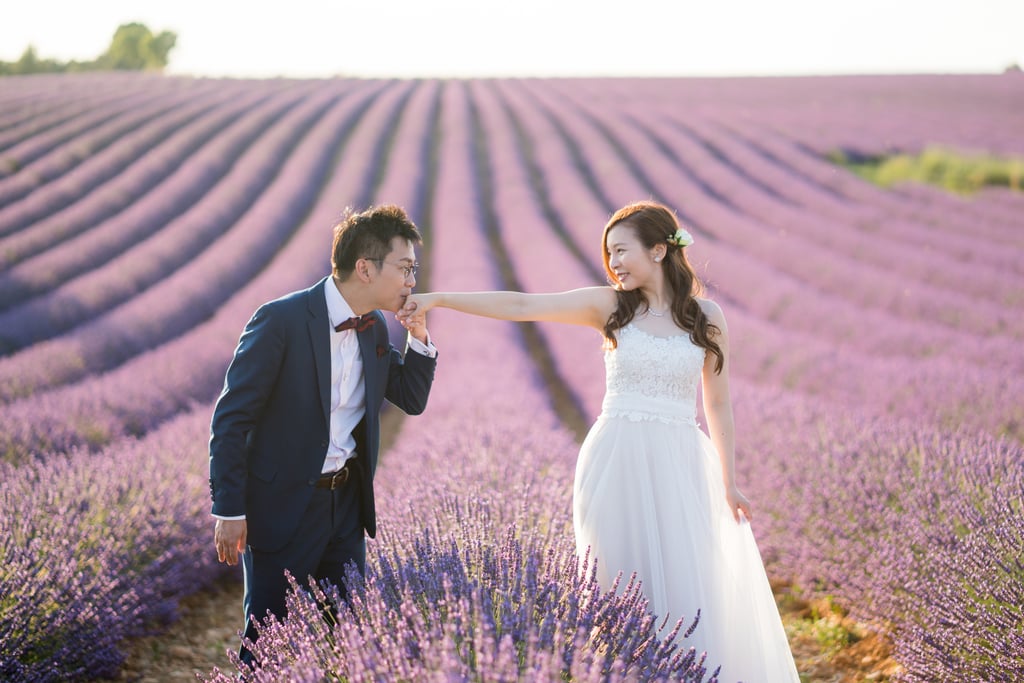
x,y
197,642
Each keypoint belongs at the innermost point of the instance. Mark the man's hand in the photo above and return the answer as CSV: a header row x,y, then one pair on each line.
x,y
229,537
414,318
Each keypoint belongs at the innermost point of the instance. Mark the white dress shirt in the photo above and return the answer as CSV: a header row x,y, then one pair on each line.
x,y
348,388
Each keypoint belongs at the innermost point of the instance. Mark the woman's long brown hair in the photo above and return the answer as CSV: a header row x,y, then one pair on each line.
x,y
653,224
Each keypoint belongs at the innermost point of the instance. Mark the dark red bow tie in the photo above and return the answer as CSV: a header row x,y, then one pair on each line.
x,y
358,323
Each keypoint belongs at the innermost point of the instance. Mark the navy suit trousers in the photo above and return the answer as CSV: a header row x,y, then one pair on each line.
x,y
331,538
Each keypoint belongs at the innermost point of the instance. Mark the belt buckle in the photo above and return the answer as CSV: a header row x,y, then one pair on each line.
x,y
340,478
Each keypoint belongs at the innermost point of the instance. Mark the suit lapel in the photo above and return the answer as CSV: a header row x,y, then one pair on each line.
x,y
320,338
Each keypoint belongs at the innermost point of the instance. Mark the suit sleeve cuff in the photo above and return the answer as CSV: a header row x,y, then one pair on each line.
x,y
228,518
428,349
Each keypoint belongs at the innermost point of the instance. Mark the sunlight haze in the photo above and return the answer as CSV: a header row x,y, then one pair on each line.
x,y
409,38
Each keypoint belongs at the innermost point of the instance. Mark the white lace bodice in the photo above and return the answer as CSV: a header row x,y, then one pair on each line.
x,y
652,378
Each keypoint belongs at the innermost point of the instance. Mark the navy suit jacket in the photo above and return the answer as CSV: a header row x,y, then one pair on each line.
x,y
270,428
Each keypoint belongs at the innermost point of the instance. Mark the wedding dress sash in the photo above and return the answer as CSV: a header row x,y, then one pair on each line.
x,y
638,407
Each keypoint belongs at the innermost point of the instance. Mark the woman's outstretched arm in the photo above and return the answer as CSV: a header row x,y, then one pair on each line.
x,y
590,306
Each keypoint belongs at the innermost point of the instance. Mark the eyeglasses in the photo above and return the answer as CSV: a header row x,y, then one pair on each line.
x,y
406,269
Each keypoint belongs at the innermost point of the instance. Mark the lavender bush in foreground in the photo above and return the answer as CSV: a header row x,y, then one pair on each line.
x,y
499,608
96,547
917,531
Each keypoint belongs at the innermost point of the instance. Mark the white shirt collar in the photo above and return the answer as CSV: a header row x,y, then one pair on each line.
x,y
338,309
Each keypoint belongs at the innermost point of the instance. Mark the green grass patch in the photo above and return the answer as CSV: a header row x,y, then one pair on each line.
x,y
826,624
951,170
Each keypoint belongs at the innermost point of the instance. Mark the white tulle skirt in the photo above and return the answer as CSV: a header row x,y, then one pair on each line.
x,y
648,497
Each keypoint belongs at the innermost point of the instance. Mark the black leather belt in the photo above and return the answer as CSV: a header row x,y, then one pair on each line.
x,y
335,480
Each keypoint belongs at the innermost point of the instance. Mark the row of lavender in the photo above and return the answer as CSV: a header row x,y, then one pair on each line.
x,y
42,143
246,213
819,319
75,235
587,160
185,320
878,359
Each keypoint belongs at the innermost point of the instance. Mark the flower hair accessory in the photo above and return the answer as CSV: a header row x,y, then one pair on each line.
x,y
681,238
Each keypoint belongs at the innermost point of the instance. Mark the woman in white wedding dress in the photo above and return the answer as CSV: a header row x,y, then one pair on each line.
x,y
652,493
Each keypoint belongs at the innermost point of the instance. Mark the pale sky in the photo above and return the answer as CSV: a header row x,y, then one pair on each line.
x,y
439,38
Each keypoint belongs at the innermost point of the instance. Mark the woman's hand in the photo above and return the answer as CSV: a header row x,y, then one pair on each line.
x,y
416,304
413,315
738,502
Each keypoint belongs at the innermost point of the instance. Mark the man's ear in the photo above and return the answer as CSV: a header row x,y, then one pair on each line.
x,y
362,270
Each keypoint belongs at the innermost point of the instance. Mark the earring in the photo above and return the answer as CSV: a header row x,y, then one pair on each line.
x,y
657,259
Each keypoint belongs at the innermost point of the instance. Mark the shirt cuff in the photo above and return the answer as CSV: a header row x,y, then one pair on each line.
x,y
428,349
229,519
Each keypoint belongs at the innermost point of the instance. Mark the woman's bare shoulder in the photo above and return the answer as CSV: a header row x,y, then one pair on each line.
x,y
602,299
711,308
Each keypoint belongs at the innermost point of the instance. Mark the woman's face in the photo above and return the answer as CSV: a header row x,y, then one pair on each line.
x,y
631,262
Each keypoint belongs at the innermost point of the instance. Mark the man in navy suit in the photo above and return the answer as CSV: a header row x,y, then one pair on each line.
x,y
296,430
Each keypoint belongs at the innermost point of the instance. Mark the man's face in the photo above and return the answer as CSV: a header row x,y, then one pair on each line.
x,y
394,277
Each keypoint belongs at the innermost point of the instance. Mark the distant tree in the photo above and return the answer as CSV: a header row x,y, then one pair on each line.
x,y
135,48
30,63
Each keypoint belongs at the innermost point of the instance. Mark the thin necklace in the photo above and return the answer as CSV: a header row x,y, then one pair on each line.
x,y
655,313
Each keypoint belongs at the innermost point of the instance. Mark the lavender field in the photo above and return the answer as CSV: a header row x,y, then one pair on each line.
x,y
877,340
